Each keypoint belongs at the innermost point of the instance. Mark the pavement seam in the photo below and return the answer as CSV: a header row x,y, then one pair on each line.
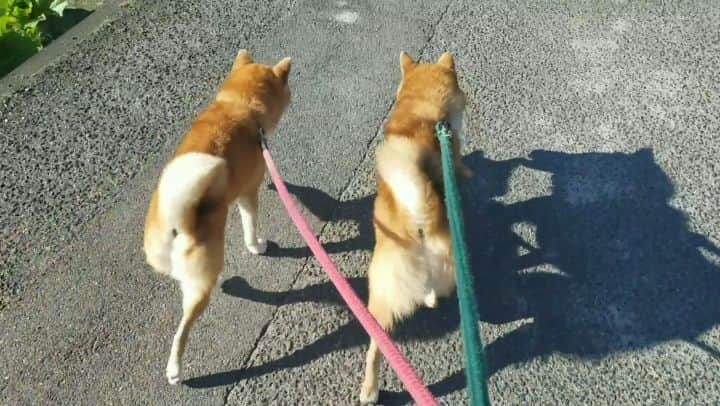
x,y
353,176
435,28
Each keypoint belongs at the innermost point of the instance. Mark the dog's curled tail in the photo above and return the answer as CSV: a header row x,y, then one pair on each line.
x,y
185,183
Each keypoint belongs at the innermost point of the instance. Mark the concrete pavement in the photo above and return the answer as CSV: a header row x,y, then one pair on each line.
x,y
592,129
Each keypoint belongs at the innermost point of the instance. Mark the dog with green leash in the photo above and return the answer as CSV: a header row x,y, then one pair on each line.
x,y
412,263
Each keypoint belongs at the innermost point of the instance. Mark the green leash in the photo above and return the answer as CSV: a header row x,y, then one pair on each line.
x,y
474,354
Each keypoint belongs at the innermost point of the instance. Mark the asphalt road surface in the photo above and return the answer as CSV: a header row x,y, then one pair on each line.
x,y
593,130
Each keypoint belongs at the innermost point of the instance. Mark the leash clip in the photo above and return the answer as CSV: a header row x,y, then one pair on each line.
x,y
263,141
442,129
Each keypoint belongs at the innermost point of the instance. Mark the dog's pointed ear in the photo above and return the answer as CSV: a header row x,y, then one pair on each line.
x,y
282,69
406,62
446,60
243,58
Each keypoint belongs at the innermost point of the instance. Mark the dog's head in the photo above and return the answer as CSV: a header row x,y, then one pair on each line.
x,y
262,88
433,83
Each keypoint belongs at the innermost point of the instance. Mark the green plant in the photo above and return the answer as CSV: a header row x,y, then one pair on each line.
x,y
20,33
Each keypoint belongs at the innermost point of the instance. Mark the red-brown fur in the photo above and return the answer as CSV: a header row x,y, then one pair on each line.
x,y
218,162
412,260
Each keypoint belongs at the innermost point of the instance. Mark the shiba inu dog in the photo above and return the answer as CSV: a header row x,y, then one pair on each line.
x,y
218,162
412,263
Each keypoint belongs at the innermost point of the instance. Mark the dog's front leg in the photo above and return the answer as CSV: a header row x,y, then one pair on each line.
x,y
248,212
459,145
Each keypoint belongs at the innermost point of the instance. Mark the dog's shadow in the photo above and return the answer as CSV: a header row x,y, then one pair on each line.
x,y
605,264
328,209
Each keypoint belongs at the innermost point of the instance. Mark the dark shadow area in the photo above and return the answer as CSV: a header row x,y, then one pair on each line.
x,y
56,26
15,49
328,209
613,267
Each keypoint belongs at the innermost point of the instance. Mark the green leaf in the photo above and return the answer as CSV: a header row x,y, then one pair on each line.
x,y
26,25
7,23
5,6
21,9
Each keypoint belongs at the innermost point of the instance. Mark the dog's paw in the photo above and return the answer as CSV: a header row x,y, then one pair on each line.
x,y
172,373
369,395
258,248
431,299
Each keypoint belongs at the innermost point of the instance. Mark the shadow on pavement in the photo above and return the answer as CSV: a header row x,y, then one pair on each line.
x,y
328,209
612,267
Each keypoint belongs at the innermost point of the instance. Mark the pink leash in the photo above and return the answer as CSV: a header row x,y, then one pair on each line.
x,y
397,361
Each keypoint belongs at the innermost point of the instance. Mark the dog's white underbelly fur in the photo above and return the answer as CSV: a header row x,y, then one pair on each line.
x,y
417,275
414,277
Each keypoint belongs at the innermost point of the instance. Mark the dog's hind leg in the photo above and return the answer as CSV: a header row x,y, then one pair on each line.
x,y
383,314
197,263
195,301
393,296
